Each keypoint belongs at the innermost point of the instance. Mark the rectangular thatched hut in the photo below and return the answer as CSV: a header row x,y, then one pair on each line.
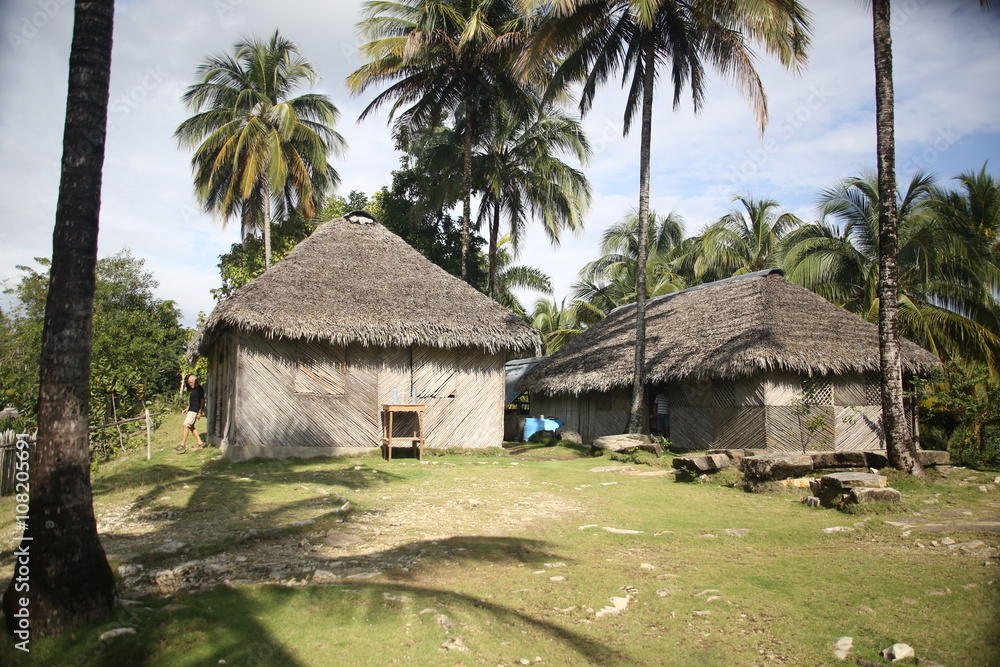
x,y
748,362
302,358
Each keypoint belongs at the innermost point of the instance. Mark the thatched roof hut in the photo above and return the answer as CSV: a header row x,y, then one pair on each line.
x,y
749,331
303,357
360,283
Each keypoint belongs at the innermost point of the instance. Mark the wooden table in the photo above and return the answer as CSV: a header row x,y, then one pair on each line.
x,y
416,440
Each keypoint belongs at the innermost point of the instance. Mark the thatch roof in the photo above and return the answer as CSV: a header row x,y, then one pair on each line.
x,y
727,329
360,283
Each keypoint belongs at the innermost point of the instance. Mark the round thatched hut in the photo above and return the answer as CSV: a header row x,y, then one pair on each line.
x,y
302,358
753,361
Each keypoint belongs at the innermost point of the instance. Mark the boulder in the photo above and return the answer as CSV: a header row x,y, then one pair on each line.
x,y
699,465
617,443
867,495
650,447
776,466
564,433
734,454
931,457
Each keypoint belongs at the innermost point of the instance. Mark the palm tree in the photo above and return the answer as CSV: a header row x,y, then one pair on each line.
x,y
510,276
517,168
744,242
259,152
946,284
442,57
556,323
610,281
601,37
70,580
900,447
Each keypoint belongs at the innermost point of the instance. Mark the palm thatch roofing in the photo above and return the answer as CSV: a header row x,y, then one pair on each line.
x,y
757,322
357,282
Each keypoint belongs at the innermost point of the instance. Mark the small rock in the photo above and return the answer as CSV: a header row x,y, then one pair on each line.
x,y
623,531
812,501
454,644
557,578
898,652
701,613
117,632
647,566
664,592
947,541
444,622
324,577
865,610
713,598
169,547
363,575
843,647
838,529
555,565
395,598
617,605
129,569
737,532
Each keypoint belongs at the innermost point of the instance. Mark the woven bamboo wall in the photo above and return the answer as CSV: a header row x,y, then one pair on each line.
x,y
462,388
592,415
271,414
221,389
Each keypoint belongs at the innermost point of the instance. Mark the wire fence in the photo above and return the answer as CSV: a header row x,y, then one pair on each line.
x,y
9,448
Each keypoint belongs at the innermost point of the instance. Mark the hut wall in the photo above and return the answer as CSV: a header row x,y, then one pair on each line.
x,y
221,390
299,398
463,389
304,399
592,415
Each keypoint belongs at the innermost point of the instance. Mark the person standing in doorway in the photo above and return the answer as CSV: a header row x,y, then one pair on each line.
x,y
662,404
195,407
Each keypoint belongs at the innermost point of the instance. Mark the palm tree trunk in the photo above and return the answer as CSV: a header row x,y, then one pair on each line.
x,y
267,227
467,190
494,236
62,571
898,440
637,414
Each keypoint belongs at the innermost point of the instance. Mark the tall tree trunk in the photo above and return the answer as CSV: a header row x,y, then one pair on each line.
x,y
494,238
267,229
637,414
61,570
898,440
467,190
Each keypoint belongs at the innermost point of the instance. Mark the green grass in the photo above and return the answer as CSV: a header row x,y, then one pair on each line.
x,y
481,556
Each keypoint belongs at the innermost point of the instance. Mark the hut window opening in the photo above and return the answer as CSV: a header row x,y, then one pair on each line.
x,y
320,369
520,405
724,394
873,390
817,390
433,373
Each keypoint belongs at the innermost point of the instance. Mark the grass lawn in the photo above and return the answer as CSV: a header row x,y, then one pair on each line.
x,y
540,556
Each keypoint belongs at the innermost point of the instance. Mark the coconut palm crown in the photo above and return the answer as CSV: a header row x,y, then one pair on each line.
x,y
258,151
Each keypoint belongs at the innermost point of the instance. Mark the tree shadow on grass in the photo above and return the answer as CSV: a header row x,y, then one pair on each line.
x,y
350,622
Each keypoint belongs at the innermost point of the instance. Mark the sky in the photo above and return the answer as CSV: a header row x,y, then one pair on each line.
x,y
947,85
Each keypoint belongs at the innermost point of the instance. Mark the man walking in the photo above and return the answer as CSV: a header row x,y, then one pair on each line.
x,y
196,405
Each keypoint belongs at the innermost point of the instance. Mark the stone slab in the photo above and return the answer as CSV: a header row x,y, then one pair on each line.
x,y
853,480
867,495
775,467
701,464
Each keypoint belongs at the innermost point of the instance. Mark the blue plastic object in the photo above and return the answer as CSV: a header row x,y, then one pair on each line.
x,y
533,425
